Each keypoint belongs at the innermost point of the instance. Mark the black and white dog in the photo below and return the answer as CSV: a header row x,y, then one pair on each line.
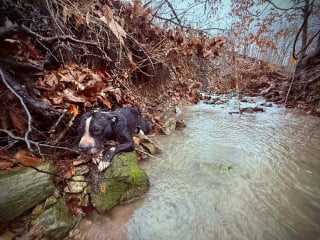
x,y
97,127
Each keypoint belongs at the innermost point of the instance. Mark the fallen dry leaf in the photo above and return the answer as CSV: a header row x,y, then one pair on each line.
x,y
68,174
115,28
25,158
105,101
136,140
17,122
5,164
70,95
74,110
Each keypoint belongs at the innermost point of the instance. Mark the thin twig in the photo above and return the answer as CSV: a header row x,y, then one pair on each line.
x,y
148,154
51,40
289,89
10,134
26,135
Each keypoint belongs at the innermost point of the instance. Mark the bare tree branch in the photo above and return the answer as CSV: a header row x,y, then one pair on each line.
x,y
11,135
26,135
294,7
174,13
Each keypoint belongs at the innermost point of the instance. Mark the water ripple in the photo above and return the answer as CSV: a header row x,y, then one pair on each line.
x,y
230,177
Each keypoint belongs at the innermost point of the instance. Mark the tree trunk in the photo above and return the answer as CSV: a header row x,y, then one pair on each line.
x,y
23,188
305,27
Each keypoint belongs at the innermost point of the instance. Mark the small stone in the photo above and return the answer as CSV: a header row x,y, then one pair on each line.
x,y
169,126
77,185
82,170
180,124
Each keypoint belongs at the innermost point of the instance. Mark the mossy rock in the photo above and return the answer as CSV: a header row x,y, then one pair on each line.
x,y
23,188
122,182
56,221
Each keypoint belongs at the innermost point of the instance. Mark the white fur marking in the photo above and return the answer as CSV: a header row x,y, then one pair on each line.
x,y
86,139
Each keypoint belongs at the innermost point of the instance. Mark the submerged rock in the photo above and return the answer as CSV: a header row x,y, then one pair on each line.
x,y
169,126
122,182
180,124
148,144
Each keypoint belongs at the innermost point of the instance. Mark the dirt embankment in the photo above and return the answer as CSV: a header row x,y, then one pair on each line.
x,y
299,89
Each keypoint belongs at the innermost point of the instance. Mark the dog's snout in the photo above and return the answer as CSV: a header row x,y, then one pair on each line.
x,y
84,148
87,142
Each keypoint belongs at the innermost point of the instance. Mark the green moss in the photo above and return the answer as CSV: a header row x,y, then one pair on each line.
x,y
22,189
123,181
56,221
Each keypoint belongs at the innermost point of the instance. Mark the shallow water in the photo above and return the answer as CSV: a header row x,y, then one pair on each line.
x,y
225,176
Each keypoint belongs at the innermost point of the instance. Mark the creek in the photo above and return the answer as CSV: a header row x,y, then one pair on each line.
x,y
225,176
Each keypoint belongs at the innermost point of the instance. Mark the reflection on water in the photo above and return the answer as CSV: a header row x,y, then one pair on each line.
x,y
256,176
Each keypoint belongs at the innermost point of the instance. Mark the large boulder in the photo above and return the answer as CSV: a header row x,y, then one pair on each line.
x,y
122,182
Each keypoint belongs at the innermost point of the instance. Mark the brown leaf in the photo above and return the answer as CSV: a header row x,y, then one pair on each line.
x,y
105,101
56,99
133,64
82,77
17,122
25,158
7,160
66,13
51,80
107,12
179,69
207,53
93,88
79,161
66,77
115,28
70,95
118,94
74,110
147,14
103,70
122,22
194,42
258,109
68,174
136,140
30,51
292,60
137,8
5,164
96,77
78,20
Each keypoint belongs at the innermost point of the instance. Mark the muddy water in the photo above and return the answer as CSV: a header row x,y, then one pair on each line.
x,y
256,176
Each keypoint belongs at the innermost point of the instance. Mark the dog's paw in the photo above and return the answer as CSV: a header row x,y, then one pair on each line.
x,y
97,158
103,165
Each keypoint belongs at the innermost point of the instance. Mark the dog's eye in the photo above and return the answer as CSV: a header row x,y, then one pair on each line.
x,y
96,130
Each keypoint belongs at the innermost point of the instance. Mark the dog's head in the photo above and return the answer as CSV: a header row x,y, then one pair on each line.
x,y
94,128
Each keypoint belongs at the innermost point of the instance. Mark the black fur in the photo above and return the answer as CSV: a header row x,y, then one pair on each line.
x,y
119,125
